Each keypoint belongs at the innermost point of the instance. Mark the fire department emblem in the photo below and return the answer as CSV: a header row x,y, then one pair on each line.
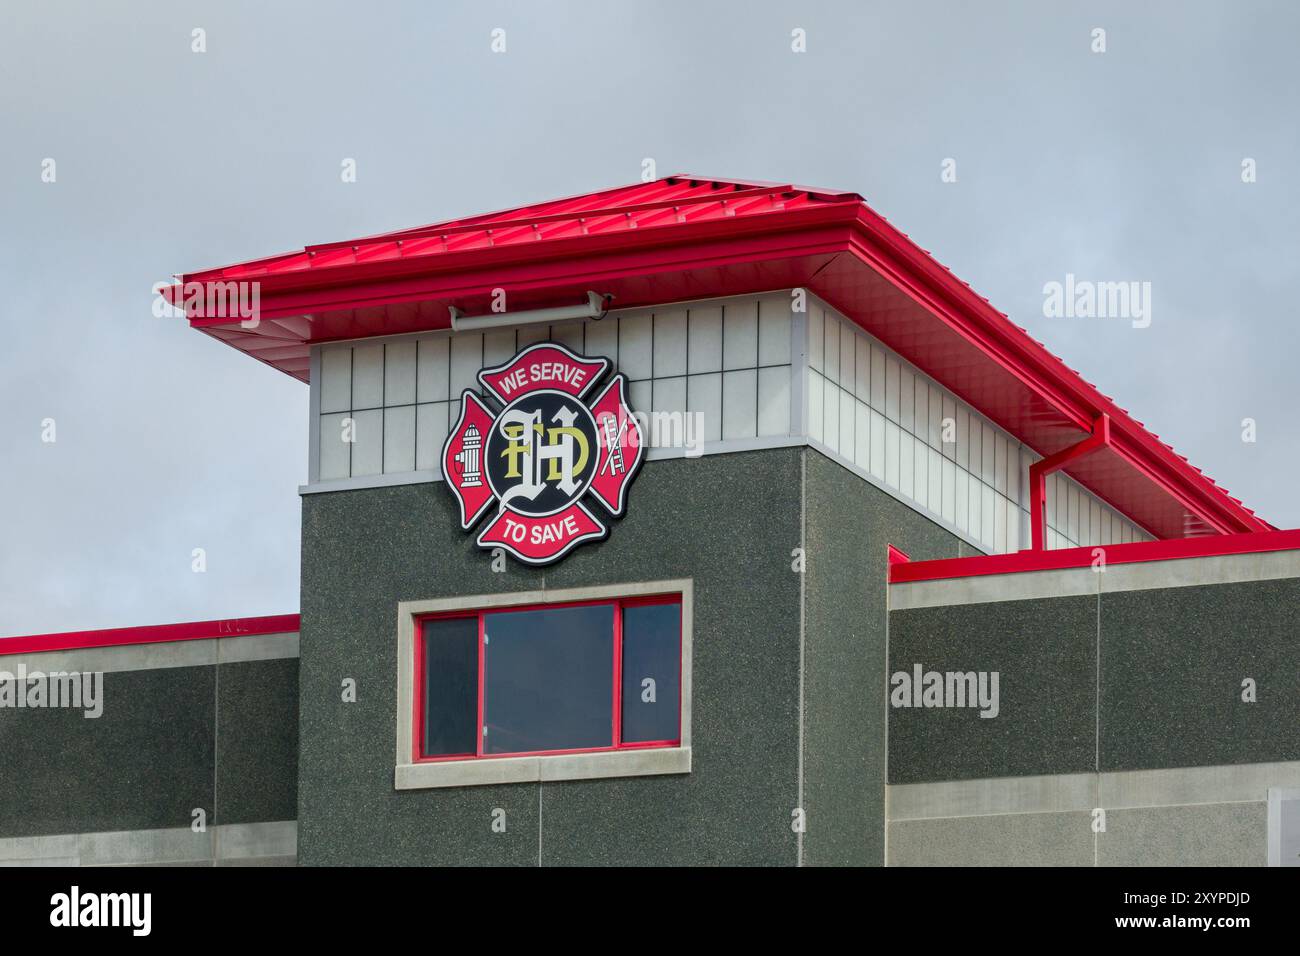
x,y
540,452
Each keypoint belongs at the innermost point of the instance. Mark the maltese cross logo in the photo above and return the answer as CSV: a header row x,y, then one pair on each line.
x,y
540,451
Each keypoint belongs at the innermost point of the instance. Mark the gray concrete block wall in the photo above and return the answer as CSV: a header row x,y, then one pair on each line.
x,y
728,522
850,525
1217,834
1214,834
221,737
1173,662
1010,839
1115,680
146,762
257,741
1044,652
1192,816
1123,698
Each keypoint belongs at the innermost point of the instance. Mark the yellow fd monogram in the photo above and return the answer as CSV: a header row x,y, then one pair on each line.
x,y
562,448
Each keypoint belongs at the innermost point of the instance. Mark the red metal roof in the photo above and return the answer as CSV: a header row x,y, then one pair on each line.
x,y
688,237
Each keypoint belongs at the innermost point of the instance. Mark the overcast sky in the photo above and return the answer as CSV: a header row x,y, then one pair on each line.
x,y
1122,165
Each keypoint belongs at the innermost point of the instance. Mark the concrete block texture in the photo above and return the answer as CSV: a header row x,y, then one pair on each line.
x,y
1173,662
730,523
171,740
364,551
1009,839
257,741
850,525
257,844
1215,834
1044,653
145,763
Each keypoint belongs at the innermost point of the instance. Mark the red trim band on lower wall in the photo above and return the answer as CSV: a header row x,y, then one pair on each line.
x,y
152,634
1210,546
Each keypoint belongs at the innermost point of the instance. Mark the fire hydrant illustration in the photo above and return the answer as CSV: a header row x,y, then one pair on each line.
x,y
467,459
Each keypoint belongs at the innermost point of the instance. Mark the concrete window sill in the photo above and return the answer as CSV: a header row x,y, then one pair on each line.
x,y
495,770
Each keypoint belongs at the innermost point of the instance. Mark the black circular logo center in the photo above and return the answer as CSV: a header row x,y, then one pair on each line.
x,y
542,453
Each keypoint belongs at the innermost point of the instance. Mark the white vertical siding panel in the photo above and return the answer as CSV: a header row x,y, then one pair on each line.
x,y
399,438
399,375
335,454
740,334
634,353
831,414
907,482
862,387
704,349
336,379
670,343
892,439
816,338
773,332
774,401
877,442
367,450
368,376
831,344
848,429
499,346
466,361
862,437
907,404
816,394
602,339
704,395
739,404
433,370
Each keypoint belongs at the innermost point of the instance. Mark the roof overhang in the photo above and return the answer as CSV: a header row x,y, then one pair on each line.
x,y
681,239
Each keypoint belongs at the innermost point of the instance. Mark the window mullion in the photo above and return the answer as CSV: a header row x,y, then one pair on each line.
x,y
482,663
618,675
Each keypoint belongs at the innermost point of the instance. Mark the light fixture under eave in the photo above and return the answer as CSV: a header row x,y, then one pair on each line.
x,y
593,308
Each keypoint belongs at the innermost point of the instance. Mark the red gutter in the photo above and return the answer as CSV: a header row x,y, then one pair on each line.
x,y
152,634
1139,551
1039,470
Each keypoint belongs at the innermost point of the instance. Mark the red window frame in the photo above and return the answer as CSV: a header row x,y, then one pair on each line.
x,y
619,605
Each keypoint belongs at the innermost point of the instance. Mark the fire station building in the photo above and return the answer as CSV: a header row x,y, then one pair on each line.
x,y
695,521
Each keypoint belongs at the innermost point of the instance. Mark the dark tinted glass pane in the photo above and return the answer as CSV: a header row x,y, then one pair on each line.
x,y
652,642
548,680
450,687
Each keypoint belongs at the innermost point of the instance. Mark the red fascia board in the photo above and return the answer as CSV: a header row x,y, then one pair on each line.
x,y
1139,551
151,634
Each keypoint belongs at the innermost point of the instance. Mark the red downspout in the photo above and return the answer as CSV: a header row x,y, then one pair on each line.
x,y
1039,471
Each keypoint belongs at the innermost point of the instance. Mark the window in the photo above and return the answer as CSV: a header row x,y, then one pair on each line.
x,y
558,678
